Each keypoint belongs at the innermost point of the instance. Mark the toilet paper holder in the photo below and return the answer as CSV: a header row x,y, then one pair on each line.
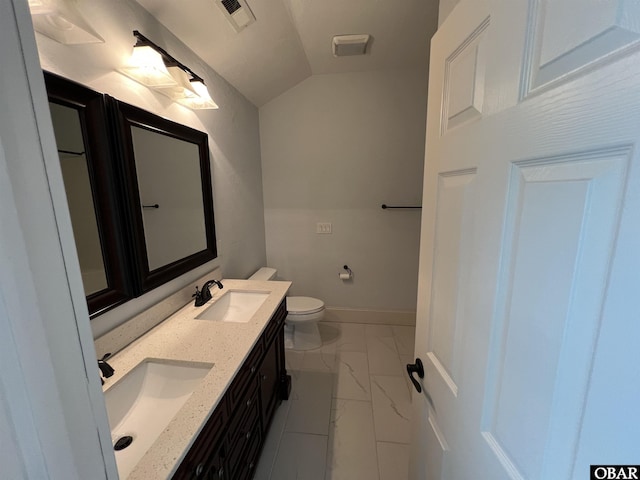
x,y
347,274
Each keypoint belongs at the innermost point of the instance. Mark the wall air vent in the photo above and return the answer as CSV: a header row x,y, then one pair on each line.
x,y
237,13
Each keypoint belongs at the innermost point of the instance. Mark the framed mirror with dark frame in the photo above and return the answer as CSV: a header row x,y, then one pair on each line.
x,y
90,176
139,193
168,177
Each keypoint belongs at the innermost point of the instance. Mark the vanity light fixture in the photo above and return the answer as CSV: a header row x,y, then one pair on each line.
x,y
147,67
61,21
182,88
153,67
201,101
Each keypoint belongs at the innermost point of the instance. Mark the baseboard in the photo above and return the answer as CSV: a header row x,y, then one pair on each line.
x,y
376,317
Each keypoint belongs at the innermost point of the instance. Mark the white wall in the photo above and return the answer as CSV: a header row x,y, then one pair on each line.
x,y
334,148
54,424
445,8
233,135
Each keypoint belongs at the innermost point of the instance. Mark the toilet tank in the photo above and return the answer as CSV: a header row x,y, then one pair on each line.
x,y
265,273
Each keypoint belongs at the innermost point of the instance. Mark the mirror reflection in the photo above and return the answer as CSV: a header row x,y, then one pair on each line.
x,y
170,189
77,183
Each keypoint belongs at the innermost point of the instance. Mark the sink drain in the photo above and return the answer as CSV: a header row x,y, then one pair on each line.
x,y
123,442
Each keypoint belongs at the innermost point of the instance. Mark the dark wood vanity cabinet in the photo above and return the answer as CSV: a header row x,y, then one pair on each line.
x,y
229,445
269,380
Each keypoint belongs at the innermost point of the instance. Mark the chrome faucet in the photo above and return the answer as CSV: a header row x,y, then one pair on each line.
x,y
106,370
204,295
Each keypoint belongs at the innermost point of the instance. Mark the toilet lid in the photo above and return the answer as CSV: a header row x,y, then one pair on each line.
x,y
302,305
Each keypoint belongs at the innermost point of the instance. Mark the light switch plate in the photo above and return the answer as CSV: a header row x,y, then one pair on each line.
x,y
323,227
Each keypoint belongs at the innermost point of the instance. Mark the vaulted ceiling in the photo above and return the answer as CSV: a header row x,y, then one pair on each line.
x,y
291,39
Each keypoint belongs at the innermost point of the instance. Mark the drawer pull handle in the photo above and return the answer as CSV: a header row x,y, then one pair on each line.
x,y
248,435
248,403
251,466
253,369
199,469
264,377
221,473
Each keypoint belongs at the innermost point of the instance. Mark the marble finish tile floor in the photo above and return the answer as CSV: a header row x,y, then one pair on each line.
x,y
348,417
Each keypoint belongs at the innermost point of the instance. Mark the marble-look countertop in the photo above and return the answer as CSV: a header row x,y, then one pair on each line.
x,y
183,338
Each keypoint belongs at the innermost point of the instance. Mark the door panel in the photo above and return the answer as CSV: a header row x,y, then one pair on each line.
x,y
542,349
435,456
464,80
533,329
452,232
529,260
598,30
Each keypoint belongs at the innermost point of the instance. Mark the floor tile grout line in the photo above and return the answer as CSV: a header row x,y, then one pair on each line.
x,y
396,339
282,432
373,417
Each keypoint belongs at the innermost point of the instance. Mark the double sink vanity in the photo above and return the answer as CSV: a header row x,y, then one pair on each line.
x,y
194,397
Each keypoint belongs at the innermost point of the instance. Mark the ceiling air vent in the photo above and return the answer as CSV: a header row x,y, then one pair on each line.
x,y
346,45
231,6
237,12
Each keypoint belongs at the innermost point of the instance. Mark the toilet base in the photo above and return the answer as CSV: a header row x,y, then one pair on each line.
x,y
302,335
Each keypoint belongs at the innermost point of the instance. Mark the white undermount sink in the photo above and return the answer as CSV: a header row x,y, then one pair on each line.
x,y
234,306
144,401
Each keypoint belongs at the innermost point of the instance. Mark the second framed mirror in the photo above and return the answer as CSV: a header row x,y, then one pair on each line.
x,y
168,172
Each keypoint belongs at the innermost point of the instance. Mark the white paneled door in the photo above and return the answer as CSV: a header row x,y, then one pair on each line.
x,y
529,286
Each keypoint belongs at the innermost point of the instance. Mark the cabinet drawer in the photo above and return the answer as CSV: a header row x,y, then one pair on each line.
x,y
246,408
250,459
243,429
245,376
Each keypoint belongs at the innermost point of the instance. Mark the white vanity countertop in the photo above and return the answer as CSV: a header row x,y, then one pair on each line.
x,y
183,338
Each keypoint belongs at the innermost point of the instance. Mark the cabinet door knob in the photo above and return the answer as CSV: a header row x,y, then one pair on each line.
x,y
199,469
251,466
248,435
253,369
249,403
264,378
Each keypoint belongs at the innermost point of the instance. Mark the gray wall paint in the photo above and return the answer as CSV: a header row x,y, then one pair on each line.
x,y
233,136
334,148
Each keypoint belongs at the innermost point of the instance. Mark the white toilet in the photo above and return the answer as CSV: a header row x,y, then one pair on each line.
x,y
301,324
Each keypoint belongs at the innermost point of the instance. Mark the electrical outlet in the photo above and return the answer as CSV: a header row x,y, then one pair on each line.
x,y
323,227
